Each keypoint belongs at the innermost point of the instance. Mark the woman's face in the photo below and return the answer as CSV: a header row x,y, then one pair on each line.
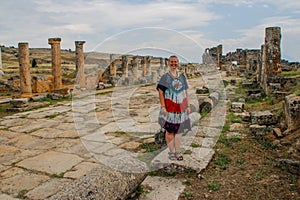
x,y
173,63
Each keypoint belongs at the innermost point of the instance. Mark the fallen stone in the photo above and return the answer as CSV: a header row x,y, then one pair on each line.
x,y
237,107
101,183
19,103
161,188
258,130
263,118
277,132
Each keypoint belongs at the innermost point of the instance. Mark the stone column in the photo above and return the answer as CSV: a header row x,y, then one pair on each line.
x,y
0,59
166,64
125,66
24,67
1,72
148,65
80,78
56,62
272,48
144,66
135,67
100,78
112,66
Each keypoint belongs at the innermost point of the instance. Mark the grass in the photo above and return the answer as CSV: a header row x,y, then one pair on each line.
x,y
290,73
225,128
60,175
21,193
233,118
212,186
150,147
194,145
222,160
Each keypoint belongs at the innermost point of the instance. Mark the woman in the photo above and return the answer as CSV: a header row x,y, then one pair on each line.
x,y
175,107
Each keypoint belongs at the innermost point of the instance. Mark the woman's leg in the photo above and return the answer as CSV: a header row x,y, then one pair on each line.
x,y
178,139
170,141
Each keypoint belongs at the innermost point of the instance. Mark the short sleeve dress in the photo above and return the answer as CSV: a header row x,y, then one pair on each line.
x,y
174,89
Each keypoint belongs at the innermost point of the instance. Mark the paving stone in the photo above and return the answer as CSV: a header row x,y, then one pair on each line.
x,y
15,122
80,170
131,145
34,125
25,181
25,141
9,154
55,133
51,162
6,197
47,189
161,188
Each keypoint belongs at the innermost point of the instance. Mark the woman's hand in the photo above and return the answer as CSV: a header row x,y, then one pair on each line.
x,y
164,110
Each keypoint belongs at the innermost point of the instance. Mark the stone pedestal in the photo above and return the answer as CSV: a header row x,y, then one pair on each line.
x,y
24,67
80,78
56,62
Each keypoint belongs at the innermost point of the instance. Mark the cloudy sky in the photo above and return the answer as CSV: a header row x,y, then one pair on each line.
x,y
154,27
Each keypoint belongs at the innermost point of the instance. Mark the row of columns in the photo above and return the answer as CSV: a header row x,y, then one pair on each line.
x,y
24,65
145,62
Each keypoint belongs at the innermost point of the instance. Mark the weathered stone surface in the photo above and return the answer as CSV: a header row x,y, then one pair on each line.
x,y
292,112
19,103
237,127
292,166
245,116
263,118
47,189
277,132
80,170
258,129
21,181
202,90
237,107
10,154
7,197
101,183
51,162
161,188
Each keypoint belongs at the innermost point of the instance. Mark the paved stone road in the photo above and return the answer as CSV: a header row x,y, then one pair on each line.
x,y
44,150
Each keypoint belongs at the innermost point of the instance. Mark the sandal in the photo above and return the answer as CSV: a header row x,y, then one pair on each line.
x,y
172,155
179,156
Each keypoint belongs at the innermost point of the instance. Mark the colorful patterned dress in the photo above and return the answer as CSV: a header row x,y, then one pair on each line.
x,y
174,90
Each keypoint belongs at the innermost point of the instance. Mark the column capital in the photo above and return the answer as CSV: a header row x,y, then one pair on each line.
x,y
79,43
54,40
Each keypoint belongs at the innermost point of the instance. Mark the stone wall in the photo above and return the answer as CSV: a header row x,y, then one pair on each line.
x,y
291,109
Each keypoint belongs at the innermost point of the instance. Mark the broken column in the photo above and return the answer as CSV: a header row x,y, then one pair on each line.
x,y
135,67
144,66
125,66
56,62
1,70
148,65
24,67
80,78
166,64
112,66
272,53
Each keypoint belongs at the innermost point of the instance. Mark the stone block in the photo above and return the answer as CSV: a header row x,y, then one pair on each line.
x,y
237,107
202,90
19,103
263,118
292,112
258,130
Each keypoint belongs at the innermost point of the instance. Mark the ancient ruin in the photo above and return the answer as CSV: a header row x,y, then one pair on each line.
x,y
56,62
80,77
25,77
90,146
